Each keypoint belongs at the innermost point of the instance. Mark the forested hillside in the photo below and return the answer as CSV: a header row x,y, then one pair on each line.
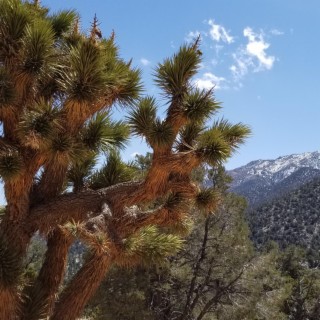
x,y
290,219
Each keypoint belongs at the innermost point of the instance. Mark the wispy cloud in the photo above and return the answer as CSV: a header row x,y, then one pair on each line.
x,y
252,56
257,47
145,61
209,80
276,32
244,53
192,35
219,33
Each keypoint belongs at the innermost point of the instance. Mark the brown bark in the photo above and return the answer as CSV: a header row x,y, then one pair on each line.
x,y
51,182
9,303
15,239
86,204
77,207
81,288
41,295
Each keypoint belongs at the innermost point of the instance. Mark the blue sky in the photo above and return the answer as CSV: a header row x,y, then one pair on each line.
x,y
262,57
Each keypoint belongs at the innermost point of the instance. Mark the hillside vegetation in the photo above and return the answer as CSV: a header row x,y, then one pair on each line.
x,y
291,219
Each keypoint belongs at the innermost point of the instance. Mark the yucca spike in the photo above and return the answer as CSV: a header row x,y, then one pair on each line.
x,y
112,36
95,31
197,42
76,27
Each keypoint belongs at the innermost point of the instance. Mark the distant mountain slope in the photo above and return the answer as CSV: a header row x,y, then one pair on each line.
x,y
291,219
261,180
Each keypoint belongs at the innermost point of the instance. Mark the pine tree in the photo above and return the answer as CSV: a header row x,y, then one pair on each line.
x,y
57,86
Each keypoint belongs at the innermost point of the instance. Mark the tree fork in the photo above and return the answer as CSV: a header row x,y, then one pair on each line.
x,y
41,296
81,288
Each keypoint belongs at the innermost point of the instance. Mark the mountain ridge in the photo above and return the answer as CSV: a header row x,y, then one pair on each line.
x,y
262,180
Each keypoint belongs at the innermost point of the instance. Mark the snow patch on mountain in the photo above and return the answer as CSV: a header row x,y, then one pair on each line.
x,y
262,180
275,170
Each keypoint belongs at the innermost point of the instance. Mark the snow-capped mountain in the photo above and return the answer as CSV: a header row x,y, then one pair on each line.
x,y
262,180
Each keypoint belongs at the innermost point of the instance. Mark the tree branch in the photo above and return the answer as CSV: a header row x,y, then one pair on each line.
x,y
76,295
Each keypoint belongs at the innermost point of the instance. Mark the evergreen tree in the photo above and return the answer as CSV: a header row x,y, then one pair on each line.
x,y
57,86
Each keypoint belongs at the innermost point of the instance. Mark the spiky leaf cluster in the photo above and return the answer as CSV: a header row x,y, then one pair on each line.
x,y
37,44
174,74
207,199
103,134
113,171
80,172
234,134
7,92
11,163
143,116
149,246
95,240
62,21
84,81
65,150
13,20
200,105
38,125
217,143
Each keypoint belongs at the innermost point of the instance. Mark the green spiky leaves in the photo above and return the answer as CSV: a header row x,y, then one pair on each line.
x,y
13,20
11,164
103,134
216,144
144,122
174,74
62,21
175,201
125,82
7,90
188,136
38,47
234,134
143,116
207,199
64,150
212,147
114,171
96,240
38,125
80,172
161,134
199,105
149,246
85,80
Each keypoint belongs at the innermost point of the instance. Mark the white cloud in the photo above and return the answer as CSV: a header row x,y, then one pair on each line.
x,y
145,61
276,32
257,47
247,54
219,33
208,81
192,36
252,57
214,62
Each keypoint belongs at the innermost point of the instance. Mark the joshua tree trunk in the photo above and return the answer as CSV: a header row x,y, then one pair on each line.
x,y
74,298
41,296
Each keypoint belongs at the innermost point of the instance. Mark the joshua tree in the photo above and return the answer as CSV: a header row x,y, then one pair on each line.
x,y
57,86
